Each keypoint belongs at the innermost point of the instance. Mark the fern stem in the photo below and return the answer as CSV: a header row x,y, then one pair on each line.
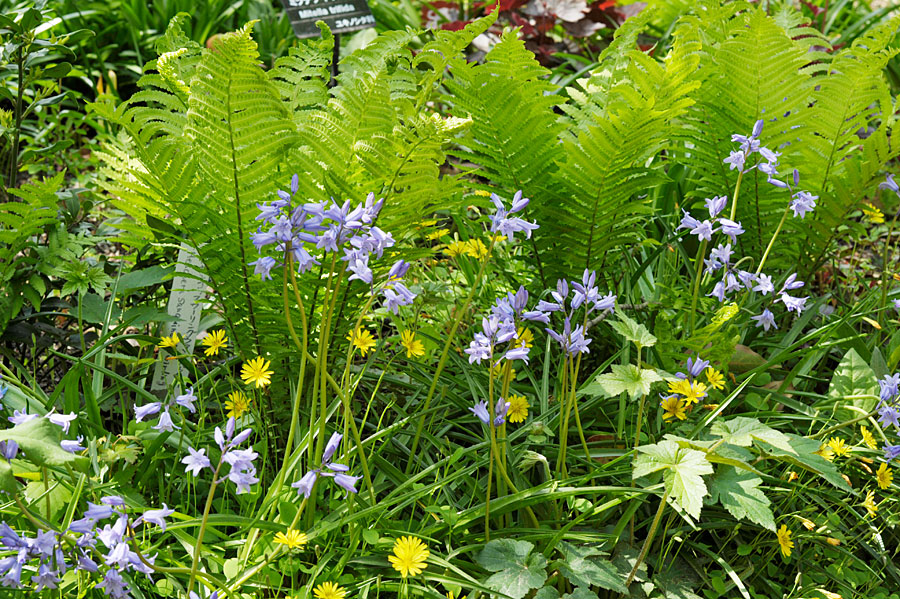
x,y
446,351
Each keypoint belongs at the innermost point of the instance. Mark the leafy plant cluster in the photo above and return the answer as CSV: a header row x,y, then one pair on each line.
x,y
443,327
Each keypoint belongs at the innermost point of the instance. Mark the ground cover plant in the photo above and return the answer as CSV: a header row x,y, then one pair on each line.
x,y
450,325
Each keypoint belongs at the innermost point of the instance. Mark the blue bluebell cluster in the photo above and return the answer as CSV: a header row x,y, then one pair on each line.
x,y
242,471
337,472
481,412
49,554
165,423
888,414
585,293
295,229
63,421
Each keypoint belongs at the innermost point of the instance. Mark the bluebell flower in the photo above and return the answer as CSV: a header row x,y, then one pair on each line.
x,y
263,267
304,486
764,284
803,203
890,184
890,386
703,231
688,222
791,283
114,585
481,412
722,254
696,367
501,408
504,224
718,291
195,461
21,417
186,400
888,415
333,443
891,452
9,449
346,482
141,412
793,304
735,160
766,320
731,229
165,424
73,446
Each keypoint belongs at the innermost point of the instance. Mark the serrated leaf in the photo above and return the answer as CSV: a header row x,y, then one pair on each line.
x,y
581,593
806,458
626,378
738,492
56,499
39,439
517,570
584,570
854,382
632,331
742,431
683,471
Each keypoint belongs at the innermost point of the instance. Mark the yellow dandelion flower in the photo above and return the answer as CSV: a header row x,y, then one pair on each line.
x,y
497,370
868,438
681,387
236,405
437,234
784,540
673,407
832,541
884,476
329,590
455,248
169,342
838,446
414,347
293,539
715,378
524,337
214,341
498,238
257,371
426,223
476,249
409,556
826,452
869,504
362,340
872,214
518,409
483,193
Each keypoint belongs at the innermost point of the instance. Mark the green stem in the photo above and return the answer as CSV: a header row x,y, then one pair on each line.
x,y
564,424
209,499
443,360
698,276
772,241
650,534
885,276
734,197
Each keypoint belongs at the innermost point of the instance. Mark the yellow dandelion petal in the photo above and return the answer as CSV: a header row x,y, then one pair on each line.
x,y
869,504
292,539
868,438
236,405
169,342
256,371
884,476
524,337
476,249
414,347
483,193
437,234
673,407
455,248
518,409
214,341
329,590
784,540
715,379
681,387
362,340
838,446
826,452
872,214
409,556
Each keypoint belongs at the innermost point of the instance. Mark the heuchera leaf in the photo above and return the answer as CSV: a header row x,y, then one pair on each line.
x,y
39,439
743,431
517,570
632,331
683,471
626,378
584,570
738,492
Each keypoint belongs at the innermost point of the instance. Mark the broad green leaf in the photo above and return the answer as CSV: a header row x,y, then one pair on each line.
x,y
581,593
744,360
39,439
56,498
8,482
632,331
547,593
683,471
517,569
805,457
854,383
582,569
743,431
624,379
738,492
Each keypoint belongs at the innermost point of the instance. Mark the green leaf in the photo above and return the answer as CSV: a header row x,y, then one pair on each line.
x,y
626,378
517,570
8,482
632,331
683,472
804,456
854,382
583,570
57,498
39,439
581,593
738,492
743,431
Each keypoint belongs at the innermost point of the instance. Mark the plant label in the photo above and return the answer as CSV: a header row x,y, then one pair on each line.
x,y
342,16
